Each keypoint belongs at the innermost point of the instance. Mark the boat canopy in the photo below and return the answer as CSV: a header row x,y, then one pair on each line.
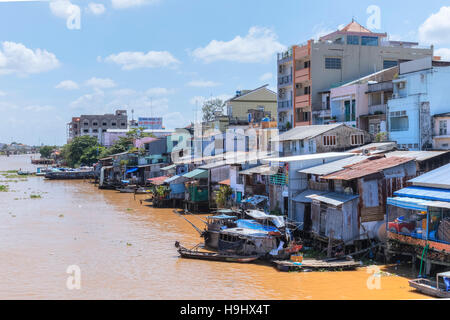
x,y
255,200
221,217
259,215
132,170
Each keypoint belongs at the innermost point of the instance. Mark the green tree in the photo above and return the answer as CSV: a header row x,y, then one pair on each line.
x,y
210,108
223,195
46,151
79,147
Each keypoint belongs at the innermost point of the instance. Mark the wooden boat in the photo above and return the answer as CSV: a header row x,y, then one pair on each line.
x,y
433,288
142,191
126,190
213,256
24,173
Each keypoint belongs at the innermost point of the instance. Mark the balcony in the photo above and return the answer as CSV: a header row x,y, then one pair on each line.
x,y
378,109
284,105
285,80
382,86
302,75
287,55
302,101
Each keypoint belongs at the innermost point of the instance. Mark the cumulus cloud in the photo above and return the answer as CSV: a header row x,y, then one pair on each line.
x,y
124,4
259,45
67,85
175,120
2,93
100,83
436,29
136,60
96,8
15,58
266,76
67,10
203,84
38,108
444,53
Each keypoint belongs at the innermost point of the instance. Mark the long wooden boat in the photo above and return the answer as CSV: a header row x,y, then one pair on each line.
x,y
429,288
213,256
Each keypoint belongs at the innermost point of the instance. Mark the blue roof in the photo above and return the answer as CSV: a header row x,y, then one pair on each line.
x,y
424,193
252,224
132,170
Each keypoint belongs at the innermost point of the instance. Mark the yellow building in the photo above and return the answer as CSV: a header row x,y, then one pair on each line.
x,y
253,105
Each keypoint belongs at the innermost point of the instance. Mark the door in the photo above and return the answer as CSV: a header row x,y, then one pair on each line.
x,y
323,217
307,220
286,206
238,197
347,110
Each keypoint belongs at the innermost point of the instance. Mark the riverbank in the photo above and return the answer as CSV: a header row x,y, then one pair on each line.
x,y
125,250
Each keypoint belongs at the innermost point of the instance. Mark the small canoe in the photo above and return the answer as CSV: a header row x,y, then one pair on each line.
x,y
429,288
213,256
126,190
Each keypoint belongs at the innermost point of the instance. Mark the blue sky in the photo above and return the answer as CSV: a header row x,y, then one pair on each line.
x,y
159,57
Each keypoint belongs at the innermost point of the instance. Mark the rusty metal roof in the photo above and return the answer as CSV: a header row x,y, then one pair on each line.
x,y
367,167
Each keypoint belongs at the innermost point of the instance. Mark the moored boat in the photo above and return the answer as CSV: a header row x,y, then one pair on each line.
x,y
214,256
436,288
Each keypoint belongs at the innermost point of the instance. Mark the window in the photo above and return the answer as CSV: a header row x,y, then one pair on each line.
x,y
104,124
307,90
389,64
333,63
123,124
357,139
329,140
443,127
301,115
103,130
399,123
95,131
113,124
306,64
369,41
86,124
86,131
353,40
94,124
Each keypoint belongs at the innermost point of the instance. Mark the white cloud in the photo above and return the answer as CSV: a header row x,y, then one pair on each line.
x,y
436,29
96,8
124,4
266,76
67,10
159,92
67,85
175,120
203,84
100,83
18,59
89,101
135,60
444,53
259,45
2,93
124,92
199,100
38,108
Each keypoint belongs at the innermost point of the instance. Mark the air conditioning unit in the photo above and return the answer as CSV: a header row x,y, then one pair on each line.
x,y
401,85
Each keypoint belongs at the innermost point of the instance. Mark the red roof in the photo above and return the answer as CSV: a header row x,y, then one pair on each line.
x,y
158,180
367,167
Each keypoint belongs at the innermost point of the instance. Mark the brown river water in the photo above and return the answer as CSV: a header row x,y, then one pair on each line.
x,y
125,250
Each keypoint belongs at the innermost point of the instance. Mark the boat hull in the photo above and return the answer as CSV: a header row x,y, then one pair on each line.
x,y
428,287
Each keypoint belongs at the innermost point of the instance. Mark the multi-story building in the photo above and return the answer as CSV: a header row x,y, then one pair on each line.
x,y
305,71
252,105
441,135
96,125
420,92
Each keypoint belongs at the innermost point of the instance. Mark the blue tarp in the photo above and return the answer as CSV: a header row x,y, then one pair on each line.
x,y
252,224
425,193
132,170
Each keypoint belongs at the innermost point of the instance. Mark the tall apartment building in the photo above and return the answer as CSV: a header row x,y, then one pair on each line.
x,y
96,125
304,71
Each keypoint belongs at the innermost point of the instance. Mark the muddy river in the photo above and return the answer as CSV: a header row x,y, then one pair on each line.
x,y
123,249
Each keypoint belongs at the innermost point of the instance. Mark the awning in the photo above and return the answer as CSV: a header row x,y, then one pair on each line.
x,y
132,170
196,174
264,170
158,180
303,197
333,198
424,193
416,204
225,182
172,179
173,166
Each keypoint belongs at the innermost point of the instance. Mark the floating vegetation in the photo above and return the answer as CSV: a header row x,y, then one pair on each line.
x,y
61,216
35,196
129,244
4,188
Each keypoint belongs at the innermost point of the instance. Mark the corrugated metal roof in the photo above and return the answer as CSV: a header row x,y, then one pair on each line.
x,y
305,132
368,167
169,167
333,198
173,179
418,155
439,178
424,193
213,165
416,204
264,170
377,146
158,180
306,157
303,197
196,174
334,166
